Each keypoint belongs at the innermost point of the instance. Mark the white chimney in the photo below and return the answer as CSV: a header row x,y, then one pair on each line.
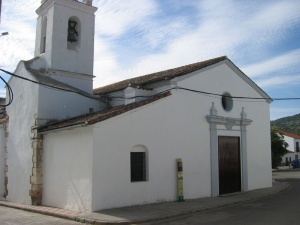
x,y
88,2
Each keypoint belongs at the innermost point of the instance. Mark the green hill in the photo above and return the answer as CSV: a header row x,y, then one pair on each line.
x,y
289,124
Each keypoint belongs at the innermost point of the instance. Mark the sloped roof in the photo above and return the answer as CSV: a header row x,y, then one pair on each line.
x,y
295,136
158,76
45,79
96,117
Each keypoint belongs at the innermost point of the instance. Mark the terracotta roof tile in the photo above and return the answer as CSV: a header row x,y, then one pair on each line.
x,y
159,76
295,136
96,117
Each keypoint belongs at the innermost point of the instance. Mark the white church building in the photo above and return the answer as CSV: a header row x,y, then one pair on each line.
x,y
65,145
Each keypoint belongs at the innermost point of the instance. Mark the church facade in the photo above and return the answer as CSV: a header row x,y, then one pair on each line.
x,y
69,146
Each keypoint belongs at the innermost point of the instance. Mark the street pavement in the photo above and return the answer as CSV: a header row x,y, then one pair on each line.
x,y
11,216
189,212
280,209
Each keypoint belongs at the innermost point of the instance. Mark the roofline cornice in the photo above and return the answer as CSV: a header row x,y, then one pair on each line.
x,y
67,3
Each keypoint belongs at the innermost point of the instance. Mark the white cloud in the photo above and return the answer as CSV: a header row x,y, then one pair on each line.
x,y
105,63
18,18
275,14
281,81
282,62
223,29
115,17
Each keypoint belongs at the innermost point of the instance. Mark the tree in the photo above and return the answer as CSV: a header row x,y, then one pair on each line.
x,y
278,148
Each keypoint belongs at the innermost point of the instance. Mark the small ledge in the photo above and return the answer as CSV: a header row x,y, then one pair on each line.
x,y
227,121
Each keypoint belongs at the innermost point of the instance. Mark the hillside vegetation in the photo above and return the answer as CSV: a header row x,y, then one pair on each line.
x,y
289,124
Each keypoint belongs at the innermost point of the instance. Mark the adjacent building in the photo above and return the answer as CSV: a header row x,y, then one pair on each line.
x,y
293,140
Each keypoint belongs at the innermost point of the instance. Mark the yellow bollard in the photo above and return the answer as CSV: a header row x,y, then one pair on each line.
x,y
180,180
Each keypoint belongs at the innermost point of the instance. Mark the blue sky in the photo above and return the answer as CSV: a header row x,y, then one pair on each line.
x,y
136,37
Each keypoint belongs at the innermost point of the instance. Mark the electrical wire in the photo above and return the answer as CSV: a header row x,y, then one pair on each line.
x,y
50,86
10,93
238,97
205,93
142,96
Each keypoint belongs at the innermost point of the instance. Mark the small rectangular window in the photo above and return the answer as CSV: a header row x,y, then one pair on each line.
x,y
138,166
297,147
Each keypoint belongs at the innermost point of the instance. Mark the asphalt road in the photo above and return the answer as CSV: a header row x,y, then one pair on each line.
x,y
280,209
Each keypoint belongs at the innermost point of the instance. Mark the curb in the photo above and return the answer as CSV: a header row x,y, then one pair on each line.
x,y
284,187
49,211
80,217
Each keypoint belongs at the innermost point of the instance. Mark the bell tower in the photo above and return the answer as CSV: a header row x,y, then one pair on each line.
x,y
65,35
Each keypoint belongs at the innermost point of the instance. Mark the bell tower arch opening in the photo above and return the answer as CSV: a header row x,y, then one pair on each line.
x,y
74,33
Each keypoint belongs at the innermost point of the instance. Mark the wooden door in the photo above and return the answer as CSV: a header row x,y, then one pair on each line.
x,y
229,165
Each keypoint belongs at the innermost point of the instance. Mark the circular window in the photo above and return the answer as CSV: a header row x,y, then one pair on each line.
x,y
227,101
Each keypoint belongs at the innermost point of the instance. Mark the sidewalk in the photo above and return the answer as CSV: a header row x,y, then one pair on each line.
x,y
151,212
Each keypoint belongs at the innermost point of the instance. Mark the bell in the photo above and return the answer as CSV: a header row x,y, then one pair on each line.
x,y
72,33
72,36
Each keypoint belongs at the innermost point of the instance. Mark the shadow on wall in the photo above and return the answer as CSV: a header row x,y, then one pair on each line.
x,y
75,198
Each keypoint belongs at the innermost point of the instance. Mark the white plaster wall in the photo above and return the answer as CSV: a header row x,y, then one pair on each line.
x,y
292,147
223,78
161,127
21,118
67,169
290,142
83,82
55,104
131,93
57,54
2,160
176,127
290,155
259,148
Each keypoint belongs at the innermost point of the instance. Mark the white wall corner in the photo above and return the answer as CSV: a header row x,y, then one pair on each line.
x,y
88,2
136,95
38,63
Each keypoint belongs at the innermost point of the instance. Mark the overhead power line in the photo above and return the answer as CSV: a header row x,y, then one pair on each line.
x,y
50,86
141,96
206,93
